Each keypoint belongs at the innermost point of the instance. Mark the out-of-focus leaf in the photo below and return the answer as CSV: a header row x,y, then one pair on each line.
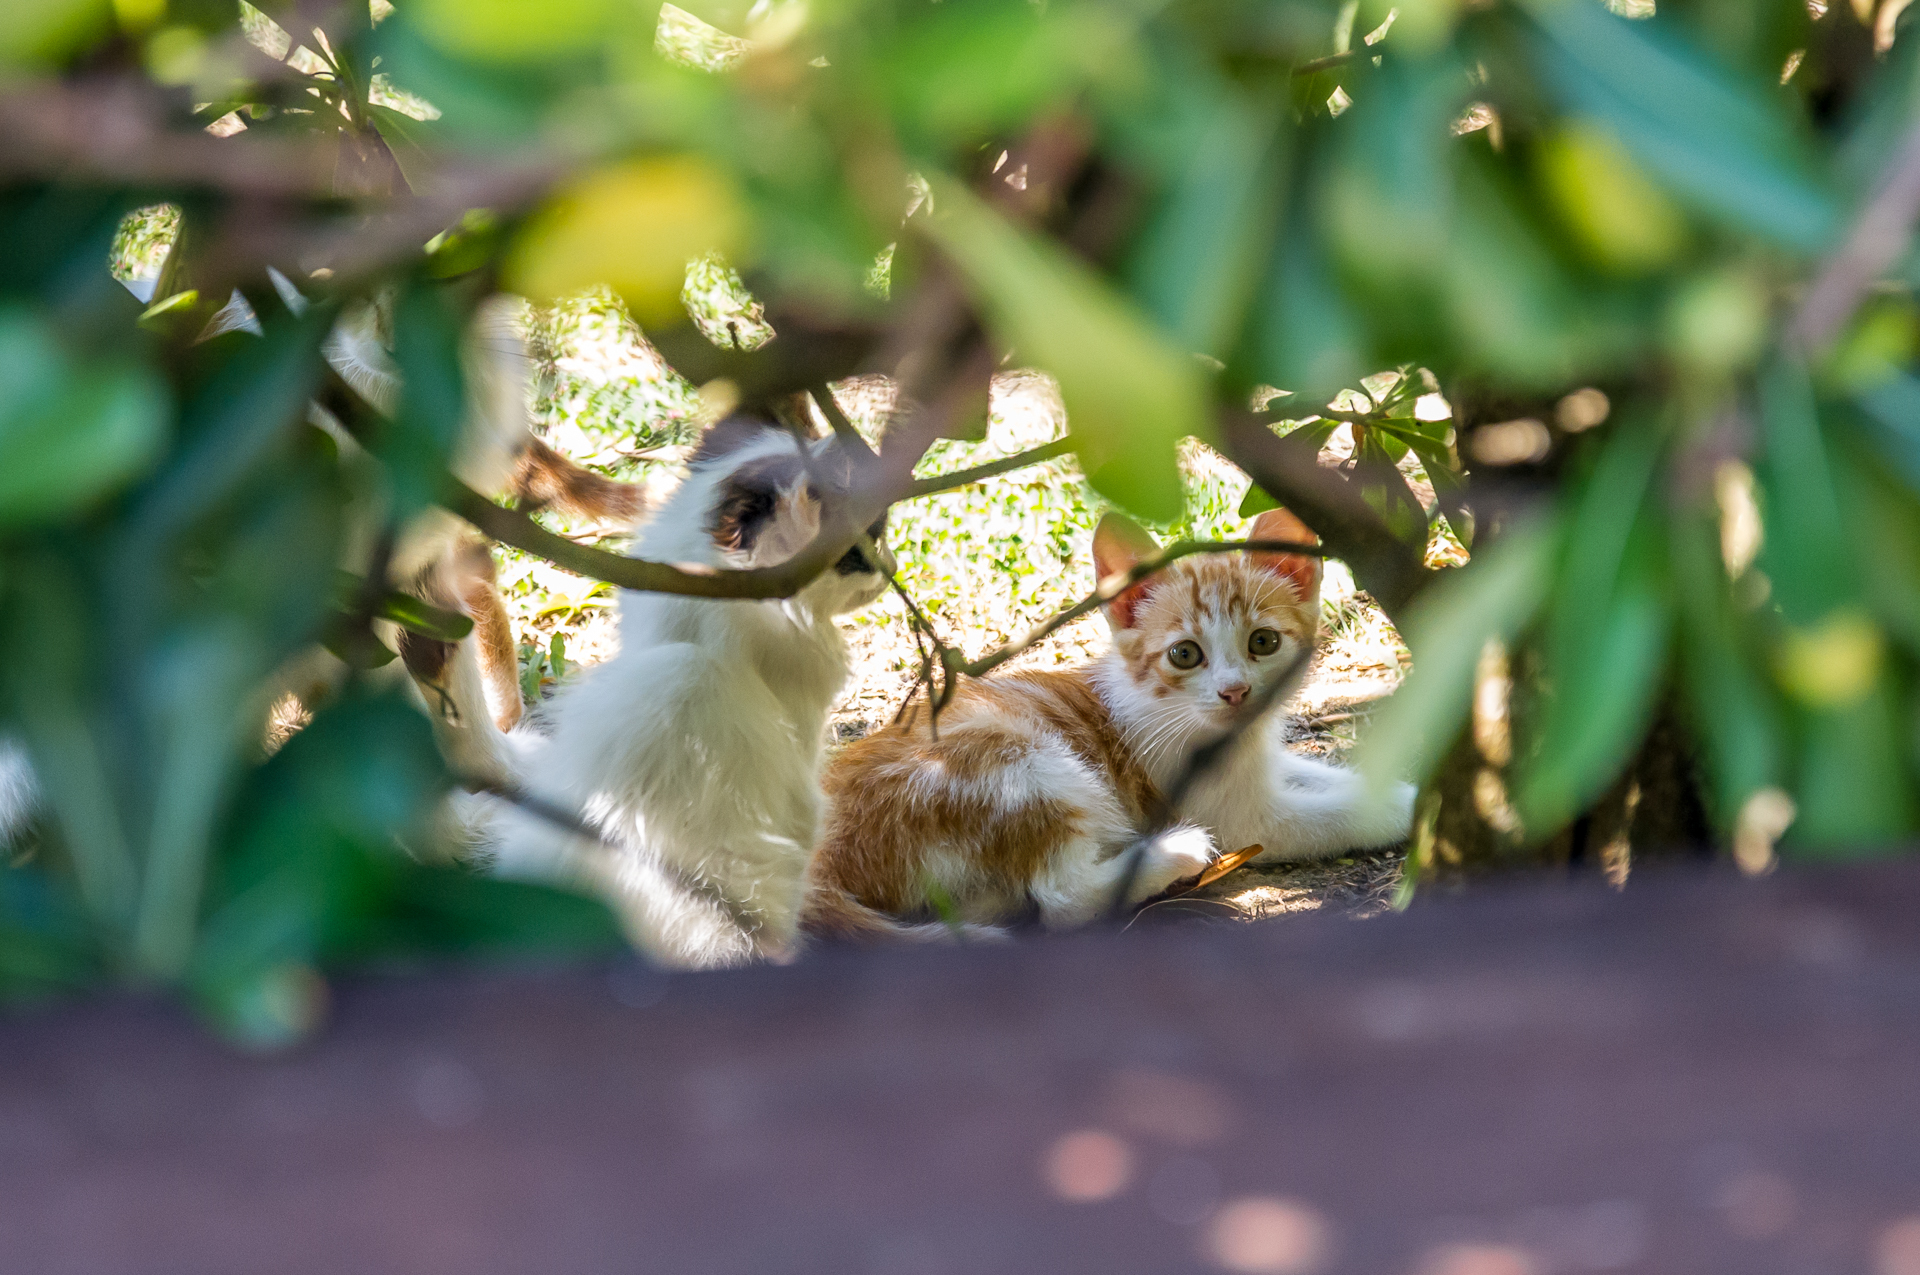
x,y
1493,597
70,432
1389,189
1199,259
633,226
45,32
1129,395
45,947
960,72
1510,303
1739,717
239,412
1721,144
314,878
1853,788
1717,321
467,246
1806,553
426,425
512,31
1883,516
1622,219
1608,630
313,829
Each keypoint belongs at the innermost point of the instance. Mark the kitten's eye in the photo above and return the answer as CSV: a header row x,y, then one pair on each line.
x,y
1263,642
1186,655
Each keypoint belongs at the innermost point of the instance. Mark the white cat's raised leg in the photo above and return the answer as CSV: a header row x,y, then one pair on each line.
x,y
1079,883
1319,809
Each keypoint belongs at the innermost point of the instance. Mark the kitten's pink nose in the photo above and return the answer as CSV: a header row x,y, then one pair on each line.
x,y
1234,694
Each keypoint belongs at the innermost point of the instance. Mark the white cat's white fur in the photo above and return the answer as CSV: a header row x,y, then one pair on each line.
x,y
694,752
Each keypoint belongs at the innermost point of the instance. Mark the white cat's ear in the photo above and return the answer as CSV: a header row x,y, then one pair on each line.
x,y
1301,570
1118,544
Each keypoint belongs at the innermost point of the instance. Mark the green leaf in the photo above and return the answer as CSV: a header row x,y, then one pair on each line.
x,y
70,432
1197,262
1608,630
1493,597
426,426
1129,395
1853,784
47,32
511,31
1722,144
411,141
405,610
961,72
1734,707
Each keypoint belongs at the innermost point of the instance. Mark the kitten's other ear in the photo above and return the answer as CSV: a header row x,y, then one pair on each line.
x,y
1119,543
1299,569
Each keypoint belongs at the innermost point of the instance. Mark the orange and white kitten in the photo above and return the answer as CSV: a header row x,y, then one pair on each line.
x,y
1038,782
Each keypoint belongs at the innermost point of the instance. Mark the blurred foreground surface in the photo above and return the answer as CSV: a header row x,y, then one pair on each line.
x,y
1702,1074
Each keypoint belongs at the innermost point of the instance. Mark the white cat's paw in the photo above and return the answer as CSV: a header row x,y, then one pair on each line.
x,y
1396,816
1173,856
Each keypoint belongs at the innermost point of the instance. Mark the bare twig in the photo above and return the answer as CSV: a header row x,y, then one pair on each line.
x,y
1323,64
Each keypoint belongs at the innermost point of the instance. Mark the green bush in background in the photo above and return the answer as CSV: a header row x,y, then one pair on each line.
x,y
1657,265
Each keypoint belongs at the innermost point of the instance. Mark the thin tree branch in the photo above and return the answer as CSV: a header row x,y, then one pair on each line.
x,y
964,477
1323,64
842,427
511,527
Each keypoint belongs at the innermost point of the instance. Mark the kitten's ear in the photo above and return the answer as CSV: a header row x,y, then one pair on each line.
x,y
1302,571
1118,544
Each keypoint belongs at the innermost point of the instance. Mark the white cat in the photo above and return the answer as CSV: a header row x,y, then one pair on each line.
x,y
695,752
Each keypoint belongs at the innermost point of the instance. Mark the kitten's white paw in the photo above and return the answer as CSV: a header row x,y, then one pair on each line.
x,y
1175,855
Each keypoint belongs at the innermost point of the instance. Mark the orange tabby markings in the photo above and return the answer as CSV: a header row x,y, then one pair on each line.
x,y
1039,782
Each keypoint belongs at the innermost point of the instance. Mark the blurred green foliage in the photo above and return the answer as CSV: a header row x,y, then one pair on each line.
x,y
1655,271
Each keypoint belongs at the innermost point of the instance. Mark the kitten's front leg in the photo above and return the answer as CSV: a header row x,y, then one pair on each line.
x,y
1316,809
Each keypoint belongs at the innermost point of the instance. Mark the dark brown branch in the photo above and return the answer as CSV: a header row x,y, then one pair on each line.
x,y
511,527
1006,464
1288,468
